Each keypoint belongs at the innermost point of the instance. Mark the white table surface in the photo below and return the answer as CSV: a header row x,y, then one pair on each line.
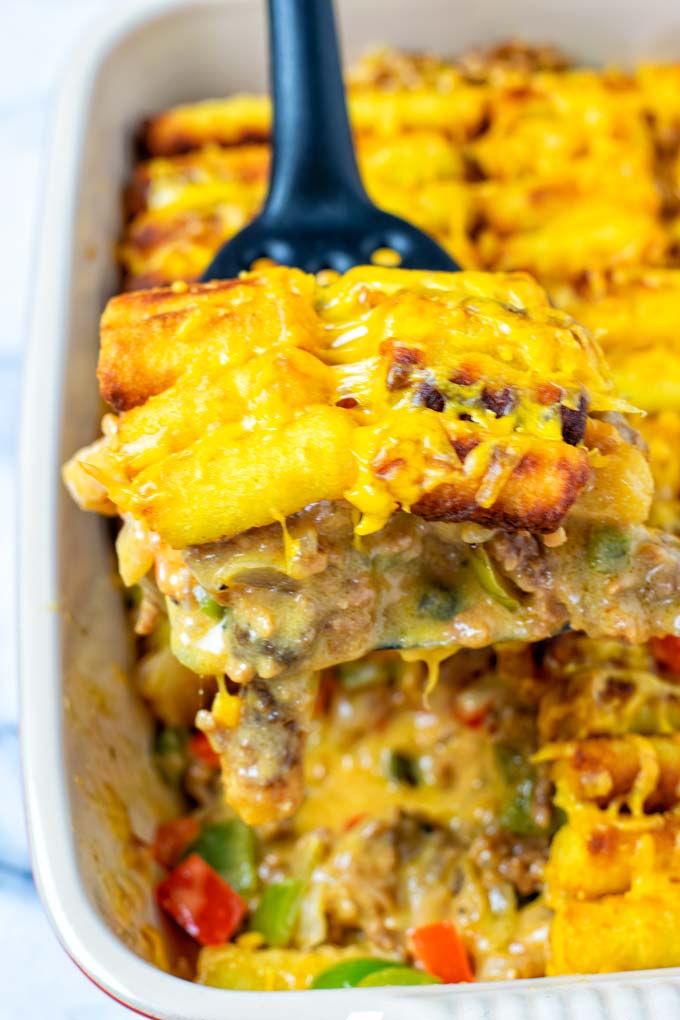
x,y
39,982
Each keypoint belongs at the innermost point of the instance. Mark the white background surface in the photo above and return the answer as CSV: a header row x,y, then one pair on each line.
x,y
38,980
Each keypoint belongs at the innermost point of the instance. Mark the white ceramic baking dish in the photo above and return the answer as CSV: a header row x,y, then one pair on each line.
x,y
90,786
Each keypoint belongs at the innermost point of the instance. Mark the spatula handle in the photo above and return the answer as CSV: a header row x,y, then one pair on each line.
x,y
314,166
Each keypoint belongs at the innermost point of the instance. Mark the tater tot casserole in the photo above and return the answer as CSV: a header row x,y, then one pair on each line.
x,y
401,548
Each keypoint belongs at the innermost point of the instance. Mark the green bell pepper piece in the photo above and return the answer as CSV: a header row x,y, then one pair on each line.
x,y
209,606
397,976
350,973
517,813
439,603
230,848
170,753
277,912
490,580
402,768
608,549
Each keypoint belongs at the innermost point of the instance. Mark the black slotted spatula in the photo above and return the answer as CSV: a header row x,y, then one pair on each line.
x,y
317,214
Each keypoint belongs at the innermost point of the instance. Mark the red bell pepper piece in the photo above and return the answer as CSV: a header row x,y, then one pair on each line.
x,y
201,748
666,651
472,707
474,719
201,902
324,694
354,820
172,839
439,949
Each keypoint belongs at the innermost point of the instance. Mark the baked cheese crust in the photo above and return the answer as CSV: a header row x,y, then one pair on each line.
x,y
460,397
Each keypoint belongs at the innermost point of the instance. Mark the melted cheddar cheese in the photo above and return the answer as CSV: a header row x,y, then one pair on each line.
x,y
509,161
460,396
